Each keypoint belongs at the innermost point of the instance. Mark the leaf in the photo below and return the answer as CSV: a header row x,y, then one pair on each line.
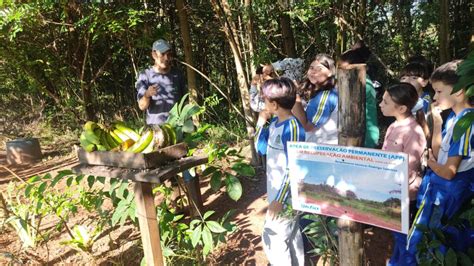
x,y
208,214
451,259
188,126
434,243
79,178
233,187
216,181
34,179
168,252
56,180
196,236
101,179
69,181
215,227
47,176
207,237
42,188
209,170
464,260
462,125
90,181
243,169
28,190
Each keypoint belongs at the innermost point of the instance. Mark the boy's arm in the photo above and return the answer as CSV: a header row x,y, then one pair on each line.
x,y
458,150
436,135
261,134
446,171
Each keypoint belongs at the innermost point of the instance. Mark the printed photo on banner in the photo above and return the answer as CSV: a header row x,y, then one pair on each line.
x,y
364,185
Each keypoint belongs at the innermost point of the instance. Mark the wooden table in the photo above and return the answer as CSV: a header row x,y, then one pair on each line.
x,y
146,212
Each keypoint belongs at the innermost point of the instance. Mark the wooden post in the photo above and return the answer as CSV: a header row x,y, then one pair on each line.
x,y
149,229
193,190
351,126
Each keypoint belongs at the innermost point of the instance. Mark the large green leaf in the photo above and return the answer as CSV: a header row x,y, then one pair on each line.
x,y
215,227
462,125
243,169
216,181
196,235
466,72
450,258
233,187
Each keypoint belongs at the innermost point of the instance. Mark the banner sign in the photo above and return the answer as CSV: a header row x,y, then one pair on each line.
x,y
364,185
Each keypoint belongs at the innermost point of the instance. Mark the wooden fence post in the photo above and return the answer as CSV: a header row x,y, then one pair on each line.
x,y
351,126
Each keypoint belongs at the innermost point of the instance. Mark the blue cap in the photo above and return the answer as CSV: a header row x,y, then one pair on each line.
x,y
161,46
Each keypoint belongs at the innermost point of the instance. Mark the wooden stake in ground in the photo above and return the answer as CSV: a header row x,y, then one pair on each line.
x,y
351,126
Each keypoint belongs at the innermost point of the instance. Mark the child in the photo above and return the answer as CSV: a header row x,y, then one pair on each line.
x,y
263,74
320,117
417,75
281,235
450,181
405,135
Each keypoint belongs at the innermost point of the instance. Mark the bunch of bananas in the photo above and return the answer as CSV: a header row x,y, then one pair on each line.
x,y
120,137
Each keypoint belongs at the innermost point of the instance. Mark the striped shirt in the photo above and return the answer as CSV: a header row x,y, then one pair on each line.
x,y
322,111
462,147
272,141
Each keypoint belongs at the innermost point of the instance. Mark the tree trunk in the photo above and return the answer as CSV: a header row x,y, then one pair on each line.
x,y
223,14
188,51
443,36
289,49
250,34
351,124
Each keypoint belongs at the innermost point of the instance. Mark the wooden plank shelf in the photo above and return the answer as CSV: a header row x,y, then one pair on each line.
x,y
154,175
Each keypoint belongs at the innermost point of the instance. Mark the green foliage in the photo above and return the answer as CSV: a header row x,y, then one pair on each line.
x,y
181,117
323,238
429,248
466,82
226,163
186,240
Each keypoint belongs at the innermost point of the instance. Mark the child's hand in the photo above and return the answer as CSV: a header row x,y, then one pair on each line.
x,y
436,114
263,116
274,209
431,157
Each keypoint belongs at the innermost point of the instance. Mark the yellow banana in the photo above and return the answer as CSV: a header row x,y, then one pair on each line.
x,y
121,136
127,131
142,143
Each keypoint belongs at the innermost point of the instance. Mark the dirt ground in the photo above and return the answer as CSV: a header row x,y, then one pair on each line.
x,y
123,247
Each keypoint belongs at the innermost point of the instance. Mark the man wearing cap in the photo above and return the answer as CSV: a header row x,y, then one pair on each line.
x,y
160,86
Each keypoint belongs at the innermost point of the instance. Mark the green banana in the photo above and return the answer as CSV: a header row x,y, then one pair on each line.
x,y
171,133
150,146
116,138
91,136
100,135
86,144
90,125
110,140
142,143
127,131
